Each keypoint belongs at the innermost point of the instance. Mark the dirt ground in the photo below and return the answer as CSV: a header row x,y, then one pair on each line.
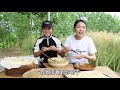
x,y
10,52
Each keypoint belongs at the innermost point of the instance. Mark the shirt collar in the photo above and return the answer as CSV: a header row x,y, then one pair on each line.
x,y
47,37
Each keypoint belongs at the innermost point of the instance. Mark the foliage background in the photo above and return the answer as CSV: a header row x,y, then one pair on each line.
x,y
19,31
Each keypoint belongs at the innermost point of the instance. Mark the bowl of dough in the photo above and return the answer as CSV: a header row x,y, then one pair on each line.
x,y
58,62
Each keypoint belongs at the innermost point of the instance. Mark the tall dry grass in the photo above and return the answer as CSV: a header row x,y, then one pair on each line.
x,y
108,49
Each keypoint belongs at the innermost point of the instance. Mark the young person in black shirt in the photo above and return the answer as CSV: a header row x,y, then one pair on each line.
x,y
48,44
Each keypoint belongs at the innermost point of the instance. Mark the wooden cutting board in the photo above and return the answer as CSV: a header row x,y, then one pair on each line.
x,y
48,72
41,73
106,70
68,68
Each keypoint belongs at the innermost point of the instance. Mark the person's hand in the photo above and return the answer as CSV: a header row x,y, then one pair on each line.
x,y
66,49
44,49
53,48
79,56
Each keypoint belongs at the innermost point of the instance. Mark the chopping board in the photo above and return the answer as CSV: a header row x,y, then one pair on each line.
x,y
106,70
40,73
48,72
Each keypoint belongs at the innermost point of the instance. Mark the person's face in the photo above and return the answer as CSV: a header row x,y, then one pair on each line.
x,y
80,29
47,31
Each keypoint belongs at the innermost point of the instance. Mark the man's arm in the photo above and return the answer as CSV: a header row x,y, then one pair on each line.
x,y
36,54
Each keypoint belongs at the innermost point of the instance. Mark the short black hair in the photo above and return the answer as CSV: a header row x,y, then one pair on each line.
x,y
77,21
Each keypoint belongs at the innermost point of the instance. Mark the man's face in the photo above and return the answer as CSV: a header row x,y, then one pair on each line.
x,y
47,31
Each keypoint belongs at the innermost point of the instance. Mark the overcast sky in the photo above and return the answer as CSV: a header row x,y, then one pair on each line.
x,y
114,13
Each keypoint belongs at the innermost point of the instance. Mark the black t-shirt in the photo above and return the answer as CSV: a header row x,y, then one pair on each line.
x,y
46,42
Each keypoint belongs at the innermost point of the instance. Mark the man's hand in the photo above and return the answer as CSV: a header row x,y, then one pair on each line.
x,y
44,49
53,48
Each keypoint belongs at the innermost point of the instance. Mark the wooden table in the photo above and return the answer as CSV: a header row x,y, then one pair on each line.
x,y
103,69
